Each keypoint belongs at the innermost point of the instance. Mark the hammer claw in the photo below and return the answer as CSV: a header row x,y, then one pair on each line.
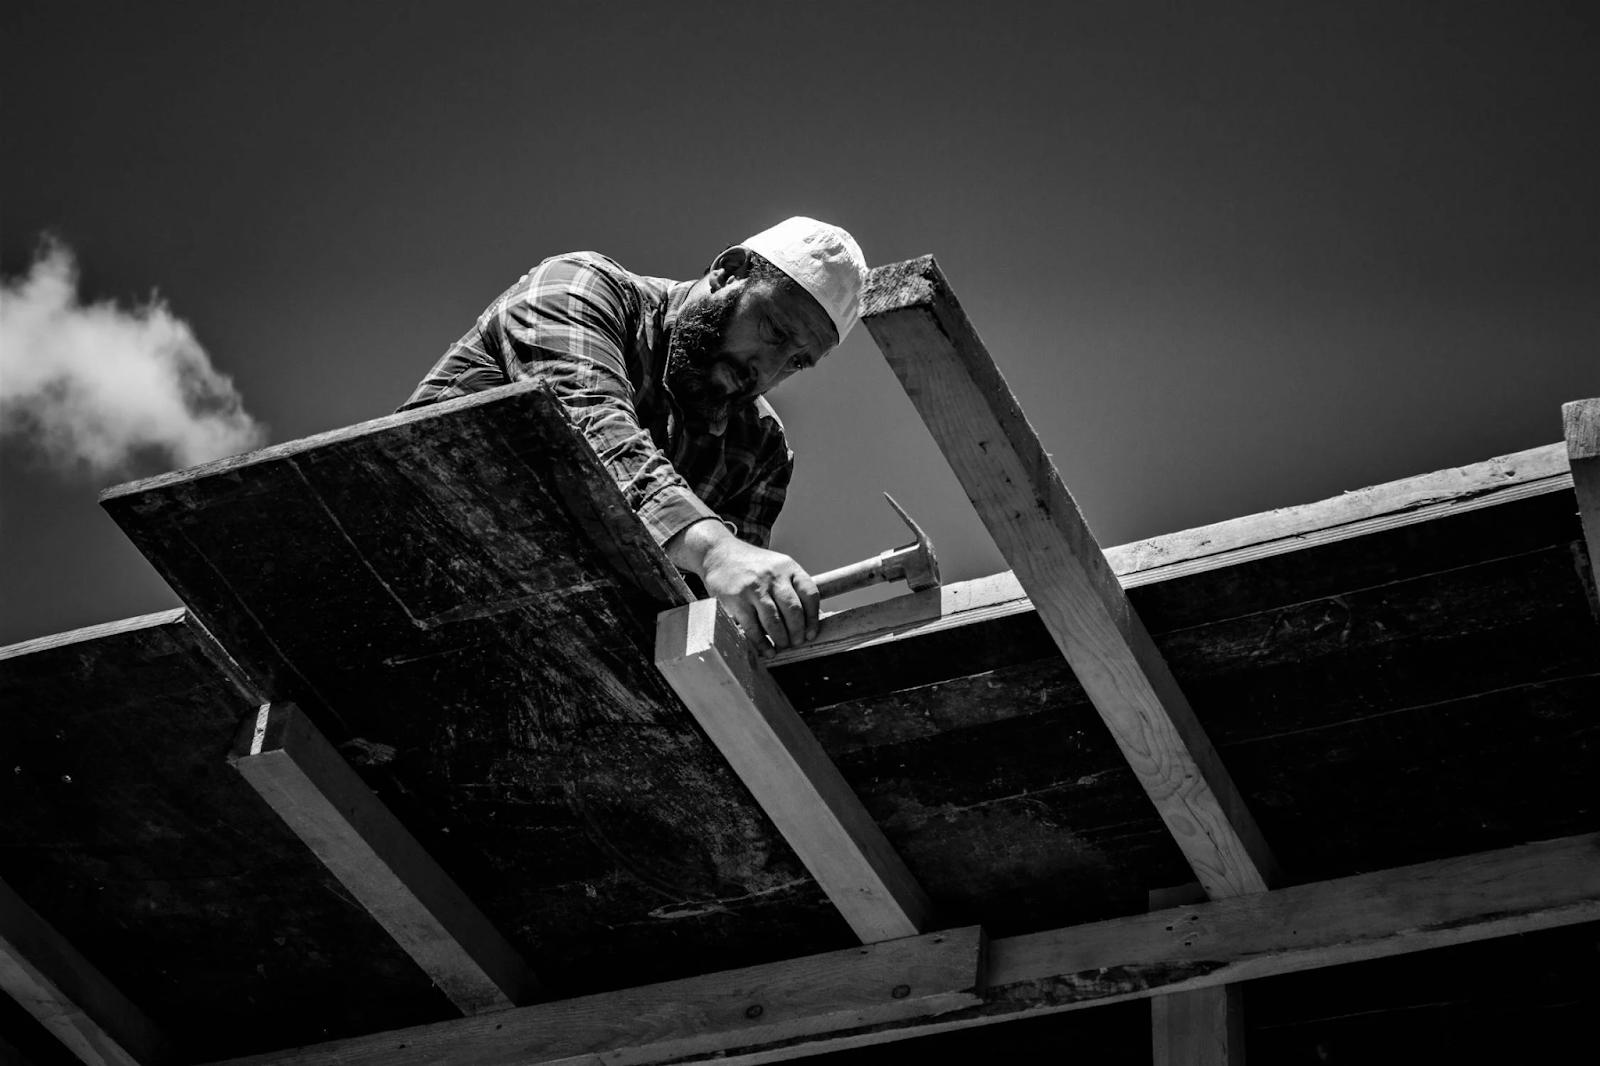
x,y
915,564
901,511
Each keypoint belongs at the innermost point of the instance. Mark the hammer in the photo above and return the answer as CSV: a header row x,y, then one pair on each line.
x,y
915,562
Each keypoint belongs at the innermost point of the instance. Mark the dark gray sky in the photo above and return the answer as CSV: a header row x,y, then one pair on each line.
x,y
1229,258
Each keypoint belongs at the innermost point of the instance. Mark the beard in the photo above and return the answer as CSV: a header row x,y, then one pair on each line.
x,y
694,349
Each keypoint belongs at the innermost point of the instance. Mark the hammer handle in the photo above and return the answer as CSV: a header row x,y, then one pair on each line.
x,y
890,566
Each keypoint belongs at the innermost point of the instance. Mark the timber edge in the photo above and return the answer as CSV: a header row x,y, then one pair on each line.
x,y
300,445
897,286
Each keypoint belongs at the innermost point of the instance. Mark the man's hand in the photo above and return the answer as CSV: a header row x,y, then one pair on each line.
x,y
766,592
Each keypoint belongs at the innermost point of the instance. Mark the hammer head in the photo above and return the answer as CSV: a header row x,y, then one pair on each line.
x,y
922,565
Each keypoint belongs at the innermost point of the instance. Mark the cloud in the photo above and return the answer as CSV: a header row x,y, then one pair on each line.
x,y
97,387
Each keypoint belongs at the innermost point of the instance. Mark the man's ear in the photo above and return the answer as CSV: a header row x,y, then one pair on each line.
x,y
731,265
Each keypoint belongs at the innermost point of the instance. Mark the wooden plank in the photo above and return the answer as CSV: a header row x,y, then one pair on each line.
x,y
1363,512
1328,923
70,997
706,1017
1200,1027
91,634
713,668
1580,422
436,586
827,999
967,406
294,768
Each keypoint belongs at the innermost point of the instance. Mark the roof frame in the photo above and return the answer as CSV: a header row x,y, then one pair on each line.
x,y
951,980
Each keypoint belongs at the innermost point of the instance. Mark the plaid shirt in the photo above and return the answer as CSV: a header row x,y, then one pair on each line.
x,y
597,335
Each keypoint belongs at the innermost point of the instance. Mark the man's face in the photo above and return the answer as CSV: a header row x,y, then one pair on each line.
x,y
740,341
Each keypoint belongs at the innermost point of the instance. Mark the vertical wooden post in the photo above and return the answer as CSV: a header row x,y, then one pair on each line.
x,y
1203,1027
1580,421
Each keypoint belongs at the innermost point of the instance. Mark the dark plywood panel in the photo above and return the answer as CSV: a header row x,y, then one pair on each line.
x,y
460,596
1419,692
1031,823
123,825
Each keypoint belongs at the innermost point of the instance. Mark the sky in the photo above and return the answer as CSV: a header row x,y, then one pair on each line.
x,y
1229,257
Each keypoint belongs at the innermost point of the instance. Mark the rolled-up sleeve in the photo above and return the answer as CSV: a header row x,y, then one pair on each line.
x,y
754,508
564,325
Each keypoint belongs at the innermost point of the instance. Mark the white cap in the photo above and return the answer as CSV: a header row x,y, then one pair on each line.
x,y
824,260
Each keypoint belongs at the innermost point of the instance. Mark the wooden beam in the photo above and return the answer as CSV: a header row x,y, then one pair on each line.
x,y
1425,498
1200,1027
836,1001
300,774
712,1017
955,386
70,997
1580,421
713,669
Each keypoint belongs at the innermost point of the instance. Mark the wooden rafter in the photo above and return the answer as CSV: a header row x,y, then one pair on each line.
x,y
72,999
943,981
300,774
713,668
997,457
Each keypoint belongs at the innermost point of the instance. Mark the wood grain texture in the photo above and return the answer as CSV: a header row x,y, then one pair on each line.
x,y
1581,426
294,768
432,590
1004,470
1327,923
123,825
52,980
1200,1027
713,668
1391,912
1359,512
710,1017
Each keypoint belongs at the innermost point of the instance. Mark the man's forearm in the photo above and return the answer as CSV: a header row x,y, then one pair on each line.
x,y
689,547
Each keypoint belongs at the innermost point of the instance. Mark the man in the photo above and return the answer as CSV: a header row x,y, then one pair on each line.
x,y
666,380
